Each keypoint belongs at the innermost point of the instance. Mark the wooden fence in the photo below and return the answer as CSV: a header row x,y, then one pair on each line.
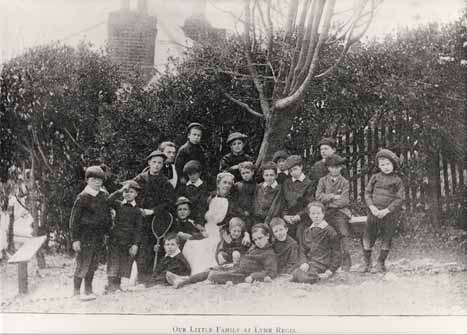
x,y
435,179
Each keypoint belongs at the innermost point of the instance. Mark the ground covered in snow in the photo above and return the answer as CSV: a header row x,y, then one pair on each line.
x,y
427,276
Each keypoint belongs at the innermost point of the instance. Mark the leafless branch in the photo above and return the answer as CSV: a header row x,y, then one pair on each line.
x,y
41,152
292,99
244,105
298,45
73,139
308,51
252,69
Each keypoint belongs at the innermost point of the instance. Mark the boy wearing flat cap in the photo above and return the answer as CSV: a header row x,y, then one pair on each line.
x,y
156,195
297,192
196,190
384,195
327,147
90,220
229,163
333,192
125,235
191,150
280,157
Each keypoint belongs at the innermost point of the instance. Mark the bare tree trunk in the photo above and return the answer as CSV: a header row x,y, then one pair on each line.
x,y
11,230
276,130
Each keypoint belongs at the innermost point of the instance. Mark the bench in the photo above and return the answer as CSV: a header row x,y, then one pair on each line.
x,y
23,256
358,224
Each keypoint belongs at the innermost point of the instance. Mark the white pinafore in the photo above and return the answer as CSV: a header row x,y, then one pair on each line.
x,y
201,254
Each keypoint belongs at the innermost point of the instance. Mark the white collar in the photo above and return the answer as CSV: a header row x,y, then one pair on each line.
x,y
273,185
133,203
323,224
301,178
89,190
286,172
176,253
198,183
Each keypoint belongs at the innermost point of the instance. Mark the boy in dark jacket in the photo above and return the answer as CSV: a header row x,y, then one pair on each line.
x,y
319,247
185,227
280,158
230,162
196,190
191,150
268,196
244,192
231,250
125,235
90,220
173,262
285,247
157,195
333,192
297,192
384,195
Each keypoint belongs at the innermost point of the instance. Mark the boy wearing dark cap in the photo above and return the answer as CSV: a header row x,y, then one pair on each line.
x,y
280,157
126,234
90,220
384,195
156,195
297,192
191,150
196,190
230,162
333,192
185,227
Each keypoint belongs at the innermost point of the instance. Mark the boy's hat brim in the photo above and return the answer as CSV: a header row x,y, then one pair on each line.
x,y
94,172
293,160
236,136
182,201
386,153
328,141
156,153
131,184
281,154
334,160
194,124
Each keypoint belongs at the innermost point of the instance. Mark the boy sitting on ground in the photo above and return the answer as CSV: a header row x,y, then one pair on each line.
x,y
230,251
173,261
319,247
285,247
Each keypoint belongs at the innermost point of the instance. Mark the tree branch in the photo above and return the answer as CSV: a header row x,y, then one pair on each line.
x,y
292,99
308,54
72,139
259,87
39,147
244,105
298,46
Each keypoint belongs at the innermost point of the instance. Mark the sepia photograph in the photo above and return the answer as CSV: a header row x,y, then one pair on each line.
x,y
233,166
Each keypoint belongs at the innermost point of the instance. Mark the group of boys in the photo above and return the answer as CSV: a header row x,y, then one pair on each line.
x,y
308,216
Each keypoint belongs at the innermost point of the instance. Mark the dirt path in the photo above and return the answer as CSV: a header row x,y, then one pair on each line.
x,y
421,281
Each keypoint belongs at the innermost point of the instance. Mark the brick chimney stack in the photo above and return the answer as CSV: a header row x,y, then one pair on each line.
x,y
132,38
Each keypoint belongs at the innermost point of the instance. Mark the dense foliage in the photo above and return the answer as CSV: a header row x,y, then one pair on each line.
x,y
66,107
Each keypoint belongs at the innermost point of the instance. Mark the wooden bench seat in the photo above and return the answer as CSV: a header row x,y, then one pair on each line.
x,y
23,256
358,224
